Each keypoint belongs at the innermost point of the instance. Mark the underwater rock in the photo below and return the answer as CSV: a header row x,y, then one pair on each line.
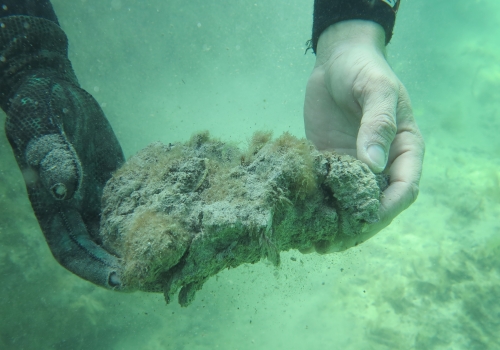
x,y
178,214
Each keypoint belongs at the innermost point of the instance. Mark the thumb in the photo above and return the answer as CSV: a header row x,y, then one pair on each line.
x,y
378,125
59,168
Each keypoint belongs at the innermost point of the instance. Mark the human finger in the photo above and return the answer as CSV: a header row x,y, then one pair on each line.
x,y
378,99
404,162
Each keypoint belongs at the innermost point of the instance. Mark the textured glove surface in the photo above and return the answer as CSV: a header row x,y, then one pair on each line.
x,y
62,142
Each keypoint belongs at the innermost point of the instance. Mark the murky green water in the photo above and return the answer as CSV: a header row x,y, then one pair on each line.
x,y
163,69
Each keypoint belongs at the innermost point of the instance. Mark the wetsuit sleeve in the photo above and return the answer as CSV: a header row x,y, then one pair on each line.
x,y
328,12
32,8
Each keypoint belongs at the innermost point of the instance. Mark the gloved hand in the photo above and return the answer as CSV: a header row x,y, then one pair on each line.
x,y
62,142
356,105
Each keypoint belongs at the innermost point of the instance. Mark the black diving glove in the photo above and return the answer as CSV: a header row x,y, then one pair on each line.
x,y
62,142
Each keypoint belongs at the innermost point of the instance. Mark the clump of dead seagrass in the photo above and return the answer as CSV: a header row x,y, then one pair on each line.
x,y
178,214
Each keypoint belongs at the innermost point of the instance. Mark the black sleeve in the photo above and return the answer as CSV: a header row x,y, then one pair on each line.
x,y
33,8
328,12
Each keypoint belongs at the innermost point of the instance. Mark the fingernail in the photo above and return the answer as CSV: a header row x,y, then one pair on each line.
x,y
377,156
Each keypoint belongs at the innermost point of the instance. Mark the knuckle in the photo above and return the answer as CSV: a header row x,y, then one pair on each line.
x,y
413,191
384,126
379,80
389,85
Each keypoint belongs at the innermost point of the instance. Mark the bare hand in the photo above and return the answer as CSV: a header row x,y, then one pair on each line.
x,y
356,105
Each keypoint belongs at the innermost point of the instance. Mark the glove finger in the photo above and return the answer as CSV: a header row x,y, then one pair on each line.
x,y
74,249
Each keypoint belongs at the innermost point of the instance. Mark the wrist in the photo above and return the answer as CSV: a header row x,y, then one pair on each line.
x,y
346,34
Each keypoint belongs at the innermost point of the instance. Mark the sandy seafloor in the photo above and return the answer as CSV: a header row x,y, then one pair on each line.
x,y
163,70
